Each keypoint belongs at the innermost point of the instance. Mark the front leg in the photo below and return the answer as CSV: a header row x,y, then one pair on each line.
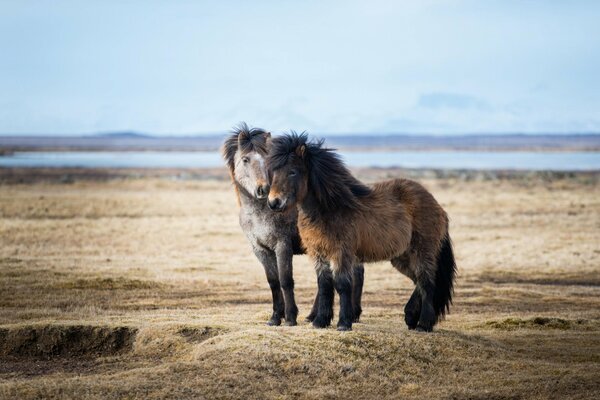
x,y
315,307
342,268
358,278
269,262
284,253
324,300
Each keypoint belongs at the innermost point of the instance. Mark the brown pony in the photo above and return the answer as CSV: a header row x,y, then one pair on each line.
x,y
346,222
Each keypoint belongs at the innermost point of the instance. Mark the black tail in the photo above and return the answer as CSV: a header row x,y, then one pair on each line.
x,y
444,279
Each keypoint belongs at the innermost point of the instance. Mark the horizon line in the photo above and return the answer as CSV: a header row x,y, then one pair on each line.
x,y
142,134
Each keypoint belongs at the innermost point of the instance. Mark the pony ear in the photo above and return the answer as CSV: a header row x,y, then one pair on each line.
x,y
301,151
242,137
268,139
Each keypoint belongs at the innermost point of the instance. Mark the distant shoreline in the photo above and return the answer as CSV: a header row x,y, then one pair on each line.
x,y
588,142
369,174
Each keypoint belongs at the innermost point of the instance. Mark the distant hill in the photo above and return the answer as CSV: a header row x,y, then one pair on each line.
x,y
130,141
117,135
485,142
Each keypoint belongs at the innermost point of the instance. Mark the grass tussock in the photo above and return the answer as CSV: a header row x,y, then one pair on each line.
x,y
510,324
199,334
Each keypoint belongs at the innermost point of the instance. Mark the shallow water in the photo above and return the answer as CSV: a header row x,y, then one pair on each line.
x,y
562,161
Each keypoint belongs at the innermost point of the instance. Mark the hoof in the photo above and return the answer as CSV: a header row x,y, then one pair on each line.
x,y
321,323
310,318
357,314
411,320
421,328
274,322
291,323
344,328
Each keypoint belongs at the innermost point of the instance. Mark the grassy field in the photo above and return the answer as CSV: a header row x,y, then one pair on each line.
x,y
145,287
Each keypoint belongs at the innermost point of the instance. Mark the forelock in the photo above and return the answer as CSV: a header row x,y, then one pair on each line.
x,y
245,140
283,148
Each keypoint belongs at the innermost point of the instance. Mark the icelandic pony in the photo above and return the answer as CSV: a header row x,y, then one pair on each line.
x,y
343,221
273,236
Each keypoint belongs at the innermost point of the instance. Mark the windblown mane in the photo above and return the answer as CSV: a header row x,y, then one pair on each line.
x,y
329,180
246,140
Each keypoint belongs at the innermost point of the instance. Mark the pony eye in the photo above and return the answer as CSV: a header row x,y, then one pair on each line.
x,y
245,159
292,173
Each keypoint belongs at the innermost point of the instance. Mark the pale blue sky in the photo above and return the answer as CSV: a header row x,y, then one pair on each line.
x,y
186,67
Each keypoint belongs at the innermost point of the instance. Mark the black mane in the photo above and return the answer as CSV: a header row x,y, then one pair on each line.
x,y
329,180
254,139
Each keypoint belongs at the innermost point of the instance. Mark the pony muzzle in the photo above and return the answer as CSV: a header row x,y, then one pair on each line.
x,y
276,204
262,191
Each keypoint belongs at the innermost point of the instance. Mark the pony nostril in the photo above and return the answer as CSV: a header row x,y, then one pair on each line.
x,y
274,204
262,191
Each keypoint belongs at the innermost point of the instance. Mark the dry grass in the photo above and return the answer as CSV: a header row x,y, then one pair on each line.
x,y
146,288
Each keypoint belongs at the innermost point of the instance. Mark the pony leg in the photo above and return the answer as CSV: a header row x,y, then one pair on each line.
x,y
342,280
269,262
358,278
284,253
412,310
427,317
315,308
324,301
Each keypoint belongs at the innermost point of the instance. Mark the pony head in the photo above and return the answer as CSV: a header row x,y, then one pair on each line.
x,y
245,152
300,167
289,171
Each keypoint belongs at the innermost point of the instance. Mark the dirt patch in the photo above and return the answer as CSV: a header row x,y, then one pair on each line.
x,y
47,342
198,335
509,324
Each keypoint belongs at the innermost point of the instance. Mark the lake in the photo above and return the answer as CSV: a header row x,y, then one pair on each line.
x,y
560,161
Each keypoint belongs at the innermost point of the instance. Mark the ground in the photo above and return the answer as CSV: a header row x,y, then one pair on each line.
x,y
144,286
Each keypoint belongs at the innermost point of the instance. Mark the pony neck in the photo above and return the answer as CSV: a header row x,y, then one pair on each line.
x,y
313,209
244,197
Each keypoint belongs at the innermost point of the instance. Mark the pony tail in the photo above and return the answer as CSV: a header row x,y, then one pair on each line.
x,y
445,276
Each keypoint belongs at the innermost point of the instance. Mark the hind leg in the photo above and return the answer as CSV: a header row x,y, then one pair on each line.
x,y
315,308
412,310
427,317
423,266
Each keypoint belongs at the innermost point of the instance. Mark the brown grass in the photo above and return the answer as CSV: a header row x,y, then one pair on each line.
x,y
146,288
